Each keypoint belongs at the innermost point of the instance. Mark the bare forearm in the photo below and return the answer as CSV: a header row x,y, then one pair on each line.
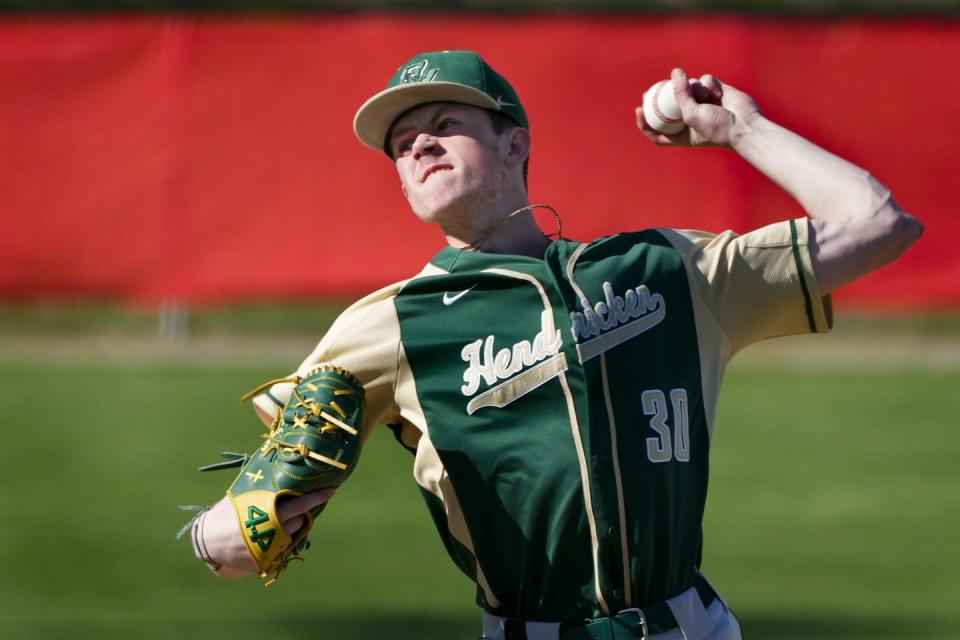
x,y
856,225
827,187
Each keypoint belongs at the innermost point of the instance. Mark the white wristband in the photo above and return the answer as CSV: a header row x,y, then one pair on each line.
x,y
199,548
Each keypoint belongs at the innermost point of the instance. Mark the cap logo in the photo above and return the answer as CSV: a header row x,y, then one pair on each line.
x,y
504,103
419,72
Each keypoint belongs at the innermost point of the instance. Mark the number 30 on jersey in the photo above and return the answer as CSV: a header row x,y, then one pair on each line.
x,y
672,441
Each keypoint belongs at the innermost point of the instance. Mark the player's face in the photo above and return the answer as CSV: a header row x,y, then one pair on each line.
x,y
449,159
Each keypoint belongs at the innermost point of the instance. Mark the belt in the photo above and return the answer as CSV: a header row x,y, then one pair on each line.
x,y
629,624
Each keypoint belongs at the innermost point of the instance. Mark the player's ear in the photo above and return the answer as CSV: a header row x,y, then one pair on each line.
x,y
403,188
518,147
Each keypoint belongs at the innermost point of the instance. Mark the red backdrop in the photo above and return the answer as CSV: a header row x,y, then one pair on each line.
x,y
212,158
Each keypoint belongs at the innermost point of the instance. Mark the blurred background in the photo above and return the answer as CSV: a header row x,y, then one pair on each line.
x,y
185,210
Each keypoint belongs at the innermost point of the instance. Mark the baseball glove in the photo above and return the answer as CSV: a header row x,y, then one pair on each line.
x,y
312,444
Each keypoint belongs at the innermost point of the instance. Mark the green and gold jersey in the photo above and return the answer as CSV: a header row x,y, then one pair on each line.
x,y
560,409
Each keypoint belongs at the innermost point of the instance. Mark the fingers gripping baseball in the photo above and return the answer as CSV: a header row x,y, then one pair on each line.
x,y
708,122
709,108
706,89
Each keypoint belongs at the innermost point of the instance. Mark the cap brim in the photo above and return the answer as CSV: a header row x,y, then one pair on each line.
x,y
376,116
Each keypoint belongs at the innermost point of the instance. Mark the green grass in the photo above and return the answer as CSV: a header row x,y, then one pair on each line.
x,y
834,505
57,318
833,513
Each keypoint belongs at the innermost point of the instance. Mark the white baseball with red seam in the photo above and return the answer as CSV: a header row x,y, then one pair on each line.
x,y
660,109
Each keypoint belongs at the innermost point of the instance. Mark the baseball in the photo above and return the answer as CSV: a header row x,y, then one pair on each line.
x,y
660,109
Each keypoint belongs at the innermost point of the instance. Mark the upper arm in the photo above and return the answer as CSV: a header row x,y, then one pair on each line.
x,y
757,285
364,340
843,250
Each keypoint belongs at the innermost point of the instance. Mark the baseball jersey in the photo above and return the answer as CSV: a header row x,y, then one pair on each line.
x,y
560,409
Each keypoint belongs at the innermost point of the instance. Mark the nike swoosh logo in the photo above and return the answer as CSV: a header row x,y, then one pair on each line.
x,y
450,299
504,104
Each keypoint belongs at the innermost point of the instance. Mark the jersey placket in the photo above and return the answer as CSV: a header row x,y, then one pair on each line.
x,y
637,353
598,528
598,430
497,420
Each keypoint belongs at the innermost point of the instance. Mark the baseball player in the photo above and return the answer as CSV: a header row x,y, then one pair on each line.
x,y
559,396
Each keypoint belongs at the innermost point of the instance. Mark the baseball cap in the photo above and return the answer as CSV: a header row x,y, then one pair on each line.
x,y
436,76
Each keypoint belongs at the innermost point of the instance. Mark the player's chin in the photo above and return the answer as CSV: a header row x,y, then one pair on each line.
x,y
437,208
428,214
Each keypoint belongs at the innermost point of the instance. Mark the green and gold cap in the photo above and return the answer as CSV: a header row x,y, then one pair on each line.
x,y
436,76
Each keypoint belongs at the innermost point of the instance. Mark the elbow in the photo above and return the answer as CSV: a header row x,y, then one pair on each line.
x,y
896,228
905,229
916,229
846,252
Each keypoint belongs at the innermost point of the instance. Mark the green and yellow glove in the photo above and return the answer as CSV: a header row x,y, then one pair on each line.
x,y
312,444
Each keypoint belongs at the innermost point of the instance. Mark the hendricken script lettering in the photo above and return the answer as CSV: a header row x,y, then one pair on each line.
x,y
614,311
491,367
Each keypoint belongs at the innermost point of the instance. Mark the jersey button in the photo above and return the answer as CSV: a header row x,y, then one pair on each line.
x,y
617,593
611,532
